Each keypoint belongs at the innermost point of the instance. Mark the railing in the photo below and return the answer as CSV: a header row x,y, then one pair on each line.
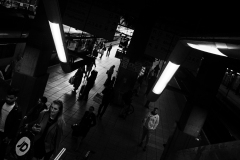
x,y
65,154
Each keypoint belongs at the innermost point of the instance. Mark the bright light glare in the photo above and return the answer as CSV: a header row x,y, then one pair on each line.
x,y
221,45
167,74
58,41
207,48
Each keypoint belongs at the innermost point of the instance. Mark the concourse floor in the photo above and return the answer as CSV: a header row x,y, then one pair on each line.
x,y
112,138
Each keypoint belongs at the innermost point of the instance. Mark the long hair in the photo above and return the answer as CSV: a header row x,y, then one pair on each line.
x,y
60,118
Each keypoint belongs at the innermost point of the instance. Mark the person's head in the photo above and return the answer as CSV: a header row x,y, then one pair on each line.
x,y
155,111
56,110
42,100
12,96
91,109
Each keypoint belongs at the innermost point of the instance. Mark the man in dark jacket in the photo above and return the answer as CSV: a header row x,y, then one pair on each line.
x,y
10,118
34,112
108,95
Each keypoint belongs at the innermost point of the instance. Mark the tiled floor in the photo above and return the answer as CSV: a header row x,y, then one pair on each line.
x,y
112,138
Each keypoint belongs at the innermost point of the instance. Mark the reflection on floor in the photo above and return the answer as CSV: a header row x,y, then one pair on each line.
x,y
112,138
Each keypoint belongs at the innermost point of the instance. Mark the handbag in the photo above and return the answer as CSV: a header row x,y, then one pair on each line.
x,y
98,98
71,80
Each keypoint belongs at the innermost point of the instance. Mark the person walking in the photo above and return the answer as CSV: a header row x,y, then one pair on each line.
x,y
109,75
89,68
150,123
108,95
87,122
10,120
102,50
88,87
109,50
49,131
78,78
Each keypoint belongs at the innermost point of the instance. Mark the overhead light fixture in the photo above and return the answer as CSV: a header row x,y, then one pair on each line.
x,y
57,37
166,76
221,45
207,48
3,34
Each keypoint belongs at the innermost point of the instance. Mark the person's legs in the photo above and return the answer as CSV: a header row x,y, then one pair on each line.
x,y
147,139
144,133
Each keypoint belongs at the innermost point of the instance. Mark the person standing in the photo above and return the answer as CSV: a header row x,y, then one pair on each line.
x,y
109,50
78,78
34,112
10,119
49,131
150,123
108,95
109,75
87,122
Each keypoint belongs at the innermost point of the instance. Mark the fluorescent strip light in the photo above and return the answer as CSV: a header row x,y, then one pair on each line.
x,y
55,29
60,154
207,48
167,74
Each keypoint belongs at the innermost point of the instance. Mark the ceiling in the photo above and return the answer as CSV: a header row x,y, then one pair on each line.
x,y
201,22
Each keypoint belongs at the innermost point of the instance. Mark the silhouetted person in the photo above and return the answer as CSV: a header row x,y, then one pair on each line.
x,y
87,122
78,78
88,87
109,75
109,50
108,95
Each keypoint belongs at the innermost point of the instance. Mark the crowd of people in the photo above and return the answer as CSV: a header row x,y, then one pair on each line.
x,y
44,125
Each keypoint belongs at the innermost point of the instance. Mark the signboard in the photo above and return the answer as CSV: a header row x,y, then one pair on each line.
x,y
86,16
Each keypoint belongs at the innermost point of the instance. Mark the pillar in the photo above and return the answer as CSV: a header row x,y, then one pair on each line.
x,y
127,75
32,76
207,82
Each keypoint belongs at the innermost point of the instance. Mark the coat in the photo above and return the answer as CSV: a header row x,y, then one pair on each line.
x,y
13,120
54,133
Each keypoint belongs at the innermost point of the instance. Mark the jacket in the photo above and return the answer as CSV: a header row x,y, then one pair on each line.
x,y
13,120
54,133
151,120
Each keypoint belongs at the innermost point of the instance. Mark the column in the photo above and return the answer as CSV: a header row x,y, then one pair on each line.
x,y
126,75
32,76
207,82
